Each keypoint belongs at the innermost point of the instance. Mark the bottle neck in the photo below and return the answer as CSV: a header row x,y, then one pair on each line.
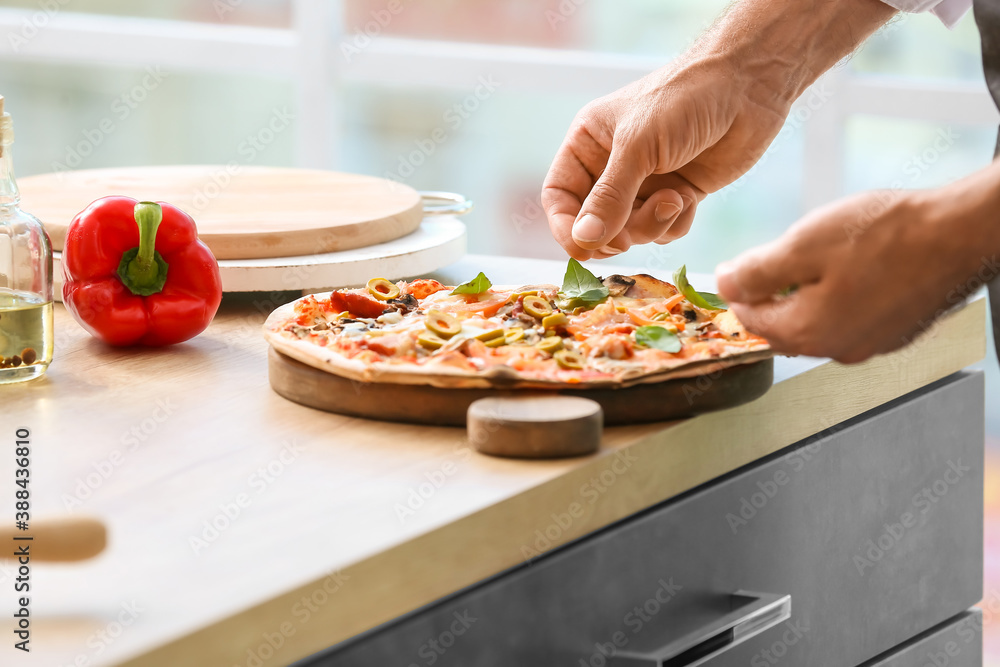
x,y
9,194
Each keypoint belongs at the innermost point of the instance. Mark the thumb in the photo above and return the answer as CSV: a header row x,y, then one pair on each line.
x,y
609,204
760,274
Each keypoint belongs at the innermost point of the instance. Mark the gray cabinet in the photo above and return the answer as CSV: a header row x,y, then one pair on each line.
x,y
839,550
957,643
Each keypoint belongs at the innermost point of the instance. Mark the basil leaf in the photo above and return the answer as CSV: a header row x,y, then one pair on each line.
x,y
596,294
477,285
659,338
582,285
713,301
705,300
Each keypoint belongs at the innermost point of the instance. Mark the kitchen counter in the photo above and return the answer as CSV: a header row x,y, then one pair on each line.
x,y
248,530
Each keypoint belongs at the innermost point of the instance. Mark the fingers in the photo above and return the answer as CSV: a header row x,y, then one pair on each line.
x,y
601,183
752,282
796,324
759,274
616,246
664,212
681,225
806,324
581,157
565,186
648,221
559,206
608,206
774,320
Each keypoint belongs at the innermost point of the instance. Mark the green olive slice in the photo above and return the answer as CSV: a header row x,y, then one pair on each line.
x,y
382,289
429,340
442,324
550,344
555,320
513,335
490,335
536,306
569,360
495,342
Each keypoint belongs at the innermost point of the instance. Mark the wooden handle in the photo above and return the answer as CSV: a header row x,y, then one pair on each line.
x,y
57,540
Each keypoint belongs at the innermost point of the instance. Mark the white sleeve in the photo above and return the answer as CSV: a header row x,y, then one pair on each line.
x,y
949,11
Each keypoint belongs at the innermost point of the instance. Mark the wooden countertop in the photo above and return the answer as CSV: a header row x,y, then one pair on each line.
x,y
336,525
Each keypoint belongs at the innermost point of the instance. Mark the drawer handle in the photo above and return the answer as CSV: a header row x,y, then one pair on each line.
x,y
753,614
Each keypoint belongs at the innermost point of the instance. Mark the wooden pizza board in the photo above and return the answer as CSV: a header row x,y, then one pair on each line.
x,y
423,404
242,212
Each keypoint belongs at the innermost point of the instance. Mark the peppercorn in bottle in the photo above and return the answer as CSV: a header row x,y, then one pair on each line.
x,y
25,277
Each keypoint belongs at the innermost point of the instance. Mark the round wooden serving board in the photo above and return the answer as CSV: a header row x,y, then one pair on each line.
x,y
423,404
242,212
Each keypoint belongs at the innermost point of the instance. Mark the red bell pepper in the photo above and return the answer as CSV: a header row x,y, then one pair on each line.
x,y
136,273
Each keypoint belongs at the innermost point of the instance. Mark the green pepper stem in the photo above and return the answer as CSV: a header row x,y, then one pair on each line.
x,y
142,269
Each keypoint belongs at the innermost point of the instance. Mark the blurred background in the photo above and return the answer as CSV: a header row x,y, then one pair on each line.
x,y
372,86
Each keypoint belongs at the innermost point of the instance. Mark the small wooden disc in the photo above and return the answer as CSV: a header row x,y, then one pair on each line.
x,y
535,426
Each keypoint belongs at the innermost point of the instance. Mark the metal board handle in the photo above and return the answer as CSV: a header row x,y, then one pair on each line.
x,y
760,612
456,204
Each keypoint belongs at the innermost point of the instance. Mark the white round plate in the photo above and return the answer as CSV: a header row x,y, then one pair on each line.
x,y
438,241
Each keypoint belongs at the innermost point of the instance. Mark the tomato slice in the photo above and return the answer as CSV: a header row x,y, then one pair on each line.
x,y
356,303
423,288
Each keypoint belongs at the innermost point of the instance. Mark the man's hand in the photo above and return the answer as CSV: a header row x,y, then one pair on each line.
x,y
871,271
635,164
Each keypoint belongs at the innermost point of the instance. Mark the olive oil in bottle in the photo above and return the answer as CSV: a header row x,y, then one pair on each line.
x,y
25,277
25,336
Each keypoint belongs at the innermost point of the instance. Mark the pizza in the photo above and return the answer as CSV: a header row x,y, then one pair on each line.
x,y
590,332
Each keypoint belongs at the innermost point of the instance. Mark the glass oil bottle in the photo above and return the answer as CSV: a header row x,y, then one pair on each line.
x,y
26,336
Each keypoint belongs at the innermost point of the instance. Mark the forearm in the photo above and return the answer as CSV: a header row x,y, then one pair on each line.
x,y
783,46
965,219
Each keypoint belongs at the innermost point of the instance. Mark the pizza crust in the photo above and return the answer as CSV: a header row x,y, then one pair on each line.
x,y
500,377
